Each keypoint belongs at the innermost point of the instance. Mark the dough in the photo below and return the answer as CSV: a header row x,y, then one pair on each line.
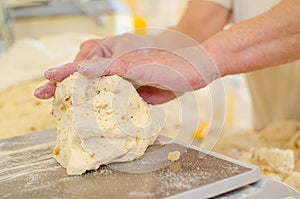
x,y
102,121
21,113
278,134
271,160
295,145
174,156
293,180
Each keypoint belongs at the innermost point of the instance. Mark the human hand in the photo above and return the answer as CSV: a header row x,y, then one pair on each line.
x,y
169,39
161,75
100,48
112,46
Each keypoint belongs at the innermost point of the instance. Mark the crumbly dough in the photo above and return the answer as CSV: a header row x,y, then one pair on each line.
x,y
21,113
277,152
294,144
102,121
293,180
272,160
174,156
278,134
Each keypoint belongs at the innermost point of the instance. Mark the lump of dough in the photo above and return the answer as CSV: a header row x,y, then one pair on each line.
x,y
294,144
174,156
100,121
271,160
278,134
293,180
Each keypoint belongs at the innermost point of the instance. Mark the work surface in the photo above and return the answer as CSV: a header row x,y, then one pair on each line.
x,y
28,170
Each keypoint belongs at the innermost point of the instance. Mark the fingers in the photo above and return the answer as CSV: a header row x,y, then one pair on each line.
x,y
86,49
94,68
155,69
58,74
89,68
46,91
154,95
91,48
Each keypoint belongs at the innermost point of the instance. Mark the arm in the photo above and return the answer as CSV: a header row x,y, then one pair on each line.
x,y
270,39
202,19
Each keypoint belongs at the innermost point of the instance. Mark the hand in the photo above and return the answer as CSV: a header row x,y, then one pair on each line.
x,y
101,48
112,46
161,75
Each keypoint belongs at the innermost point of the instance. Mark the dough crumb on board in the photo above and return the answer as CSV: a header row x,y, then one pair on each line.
x,y
174,156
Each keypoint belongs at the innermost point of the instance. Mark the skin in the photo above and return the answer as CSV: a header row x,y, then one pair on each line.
x,y
270,39
209,15
202,19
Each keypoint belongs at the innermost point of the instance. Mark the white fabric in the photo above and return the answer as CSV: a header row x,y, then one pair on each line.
x,y
225,3
274,90
245,9
275,93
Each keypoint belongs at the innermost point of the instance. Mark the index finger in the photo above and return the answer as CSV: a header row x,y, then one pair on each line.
x,y
58,74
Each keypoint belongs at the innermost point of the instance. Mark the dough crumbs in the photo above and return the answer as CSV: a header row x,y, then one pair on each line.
x,y
174,156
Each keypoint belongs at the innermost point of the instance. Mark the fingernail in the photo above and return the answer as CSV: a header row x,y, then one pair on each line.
x,y
37,92
49,73
82,69
45,92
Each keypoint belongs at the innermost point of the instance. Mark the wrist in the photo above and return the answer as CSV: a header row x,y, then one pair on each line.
x,y
215,50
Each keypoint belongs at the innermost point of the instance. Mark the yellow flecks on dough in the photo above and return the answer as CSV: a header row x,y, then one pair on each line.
x,y
137,138
32,128
67,98
63,108
174,156
265,169
56,151
148,111
202,131
102,106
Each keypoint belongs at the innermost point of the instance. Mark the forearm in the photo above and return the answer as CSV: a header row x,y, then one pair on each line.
x,y
202,19
267,40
